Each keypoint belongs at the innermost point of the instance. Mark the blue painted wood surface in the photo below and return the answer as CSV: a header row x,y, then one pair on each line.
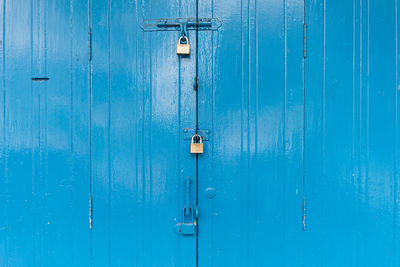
x,y
298,102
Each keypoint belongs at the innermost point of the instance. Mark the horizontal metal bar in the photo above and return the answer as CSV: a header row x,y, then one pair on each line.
x,y
175,24
188,25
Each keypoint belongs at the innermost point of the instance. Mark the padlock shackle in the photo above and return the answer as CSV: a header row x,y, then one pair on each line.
x,y
180,38
200,138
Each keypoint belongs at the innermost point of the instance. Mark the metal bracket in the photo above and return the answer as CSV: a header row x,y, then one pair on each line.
x,y
90,212
177,24
189,132
186,228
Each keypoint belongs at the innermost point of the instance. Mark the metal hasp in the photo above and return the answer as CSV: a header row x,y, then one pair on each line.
x,y
176,24
188,226
189,132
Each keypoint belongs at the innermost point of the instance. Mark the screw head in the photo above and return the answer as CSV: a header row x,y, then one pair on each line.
x,y
210,192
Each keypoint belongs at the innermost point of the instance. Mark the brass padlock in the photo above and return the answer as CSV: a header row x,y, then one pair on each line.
x,y
183,48
197,148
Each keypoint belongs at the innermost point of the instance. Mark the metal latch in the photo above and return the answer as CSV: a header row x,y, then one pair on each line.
x,y
186,228
189,132
189,224
177,24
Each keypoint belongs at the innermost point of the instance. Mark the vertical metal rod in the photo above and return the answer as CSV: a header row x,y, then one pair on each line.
x,y
187,207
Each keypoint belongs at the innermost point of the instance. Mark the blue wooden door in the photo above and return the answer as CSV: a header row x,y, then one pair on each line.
x,y
143,98
296,101
44,136
251,98
352,134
